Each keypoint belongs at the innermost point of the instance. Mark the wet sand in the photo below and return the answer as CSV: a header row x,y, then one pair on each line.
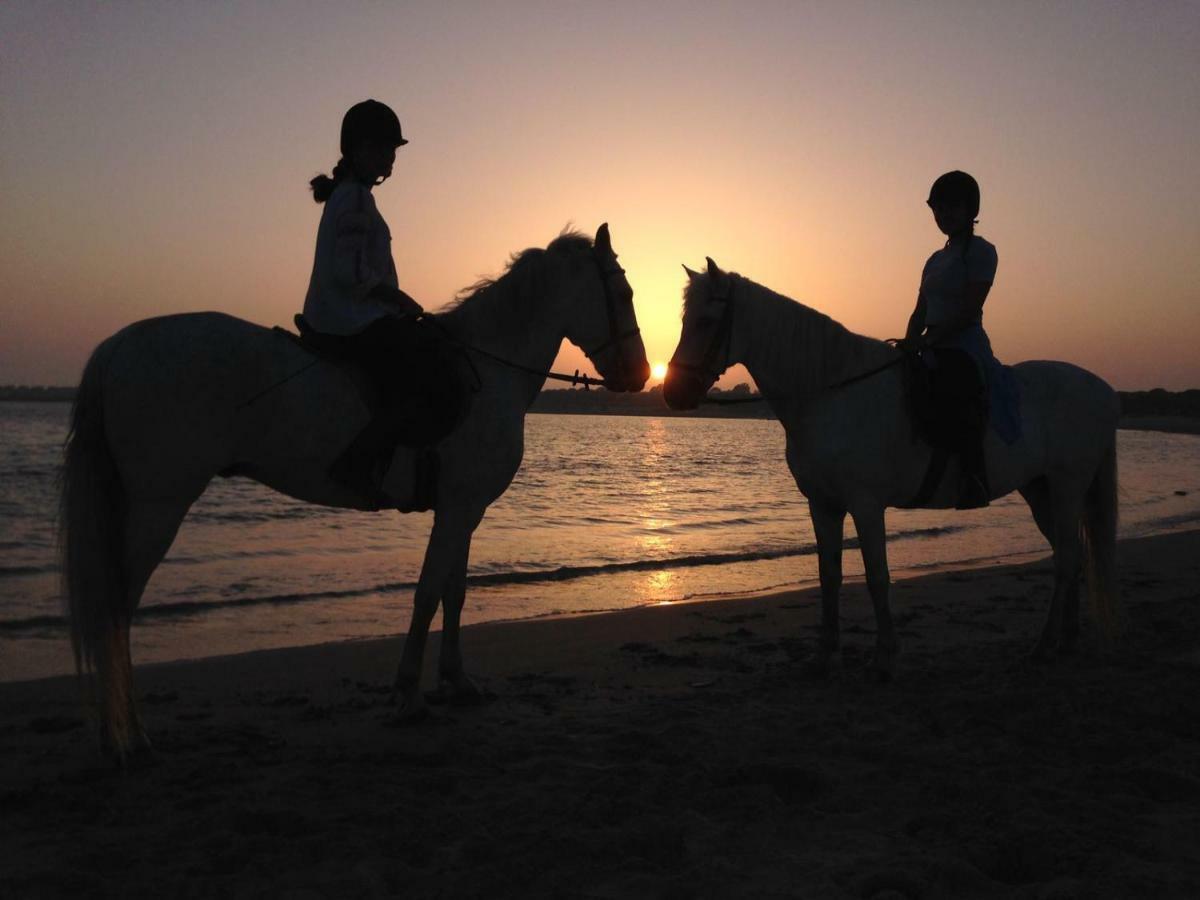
x,y
674,751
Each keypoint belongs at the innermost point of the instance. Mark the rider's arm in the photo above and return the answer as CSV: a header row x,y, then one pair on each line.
x,y
351,269
916,322
385,293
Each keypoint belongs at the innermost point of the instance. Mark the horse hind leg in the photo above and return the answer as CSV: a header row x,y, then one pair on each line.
x,y
1056,508
1037,495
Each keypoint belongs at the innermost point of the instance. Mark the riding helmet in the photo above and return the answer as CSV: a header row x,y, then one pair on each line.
x,y
370,120
956,187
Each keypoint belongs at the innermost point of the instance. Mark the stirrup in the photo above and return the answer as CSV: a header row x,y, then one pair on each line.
x,y
974,494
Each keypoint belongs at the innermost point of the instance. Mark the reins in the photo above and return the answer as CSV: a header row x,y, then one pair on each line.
x,y
861,376
575,380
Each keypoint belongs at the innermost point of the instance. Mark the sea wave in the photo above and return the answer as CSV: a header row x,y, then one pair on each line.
x,y
185,608
19,571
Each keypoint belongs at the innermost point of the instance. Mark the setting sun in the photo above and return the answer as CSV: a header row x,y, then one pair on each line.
x,y
659,370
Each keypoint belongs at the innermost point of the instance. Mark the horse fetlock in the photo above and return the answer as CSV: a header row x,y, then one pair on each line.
x,y
457,690
409,703
830,640
822,662
883,661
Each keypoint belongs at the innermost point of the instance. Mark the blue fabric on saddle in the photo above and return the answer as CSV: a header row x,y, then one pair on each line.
x,y
1003,391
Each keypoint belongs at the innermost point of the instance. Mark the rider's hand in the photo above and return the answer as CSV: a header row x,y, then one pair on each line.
x,y
408,304
404,304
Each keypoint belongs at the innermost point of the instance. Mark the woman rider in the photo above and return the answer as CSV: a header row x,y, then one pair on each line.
x,y
353,292
947,325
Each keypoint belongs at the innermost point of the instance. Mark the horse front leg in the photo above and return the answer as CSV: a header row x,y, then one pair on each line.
x,y
872,538
445,560
454,686
828,525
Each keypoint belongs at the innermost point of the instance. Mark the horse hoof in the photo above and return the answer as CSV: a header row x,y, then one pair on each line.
x,y
1043,654
140,758
410,714
819,668
458,692
881,671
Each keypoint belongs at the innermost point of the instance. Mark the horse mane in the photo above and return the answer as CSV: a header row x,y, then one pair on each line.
x,y
801,345
521,266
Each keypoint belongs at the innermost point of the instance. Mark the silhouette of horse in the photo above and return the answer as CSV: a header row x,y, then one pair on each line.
x,y
167,403
852,447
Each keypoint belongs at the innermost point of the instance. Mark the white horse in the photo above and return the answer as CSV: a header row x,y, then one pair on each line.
x,y
167,403
852,446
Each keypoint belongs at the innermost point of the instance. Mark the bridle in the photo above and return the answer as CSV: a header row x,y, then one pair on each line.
x,y
708,368
615,337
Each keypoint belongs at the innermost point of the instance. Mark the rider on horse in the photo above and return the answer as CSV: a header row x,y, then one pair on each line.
x,y
354,303
947,327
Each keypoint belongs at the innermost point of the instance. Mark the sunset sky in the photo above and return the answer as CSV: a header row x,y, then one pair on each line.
x,y
155,158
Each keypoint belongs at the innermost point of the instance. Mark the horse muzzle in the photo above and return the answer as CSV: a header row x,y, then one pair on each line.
x,y
683,389
627,376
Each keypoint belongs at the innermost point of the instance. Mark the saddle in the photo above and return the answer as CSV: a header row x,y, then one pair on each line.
x,y
433,399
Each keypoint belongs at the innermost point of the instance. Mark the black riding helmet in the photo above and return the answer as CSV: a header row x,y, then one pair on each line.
x,y
370,120
956,187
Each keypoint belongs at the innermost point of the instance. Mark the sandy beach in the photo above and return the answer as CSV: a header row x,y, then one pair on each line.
x,y
672,751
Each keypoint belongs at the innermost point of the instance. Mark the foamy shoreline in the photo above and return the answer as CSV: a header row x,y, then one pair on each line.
x,y
49,656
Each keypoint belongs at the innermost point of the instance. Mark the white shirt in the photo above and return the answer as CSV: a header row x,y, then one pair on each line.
x,y
353,255
946,275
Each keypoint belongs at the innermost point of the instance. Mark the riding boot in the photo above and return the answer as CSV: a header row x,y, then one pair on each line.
x,y
362,466
975,493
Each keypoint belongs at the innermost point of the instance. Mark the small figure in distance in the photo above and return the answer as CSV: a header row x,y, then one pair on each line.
x,y
946,327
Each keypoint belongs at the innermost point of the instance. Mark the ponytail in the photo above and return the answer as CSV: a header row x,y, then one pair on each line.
x,y
322,186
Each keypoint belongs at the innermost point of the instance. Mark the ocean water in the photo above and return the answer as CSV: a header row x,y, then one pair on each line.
x,y
606,513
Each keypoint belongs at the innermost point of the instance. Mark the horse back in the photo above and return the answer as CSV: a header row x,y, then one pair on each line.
x,y
1058,396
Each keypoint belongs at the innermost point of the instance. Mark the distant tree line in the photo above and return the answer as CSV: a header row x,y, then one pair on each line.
x,y
36,393
1161,403
647,403
1135,404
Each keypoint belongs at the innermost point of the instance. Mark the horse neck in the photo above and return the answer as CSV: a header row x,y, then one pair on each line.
x,y
793,352
512,320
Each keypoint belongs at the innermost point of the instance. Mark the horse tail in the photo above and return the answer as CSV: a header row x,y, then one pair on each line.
x,y
90,525
1100,542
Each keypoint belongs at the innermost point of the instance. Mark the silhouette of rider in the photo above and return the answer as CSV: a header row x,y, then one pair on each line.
x,y
947,327
353,292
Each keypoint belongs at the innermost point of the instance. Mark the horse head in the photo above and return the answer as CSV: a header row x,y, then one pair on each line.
x,y
702,355
603,323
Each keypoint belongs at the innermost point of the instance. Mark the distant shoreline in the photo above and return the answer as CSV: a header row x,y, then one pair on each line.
x,y
1175,412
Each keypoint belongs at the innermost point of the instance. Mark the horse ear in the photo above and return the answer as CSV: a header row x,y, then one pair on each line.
x,y
603,241
690,274
717,279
